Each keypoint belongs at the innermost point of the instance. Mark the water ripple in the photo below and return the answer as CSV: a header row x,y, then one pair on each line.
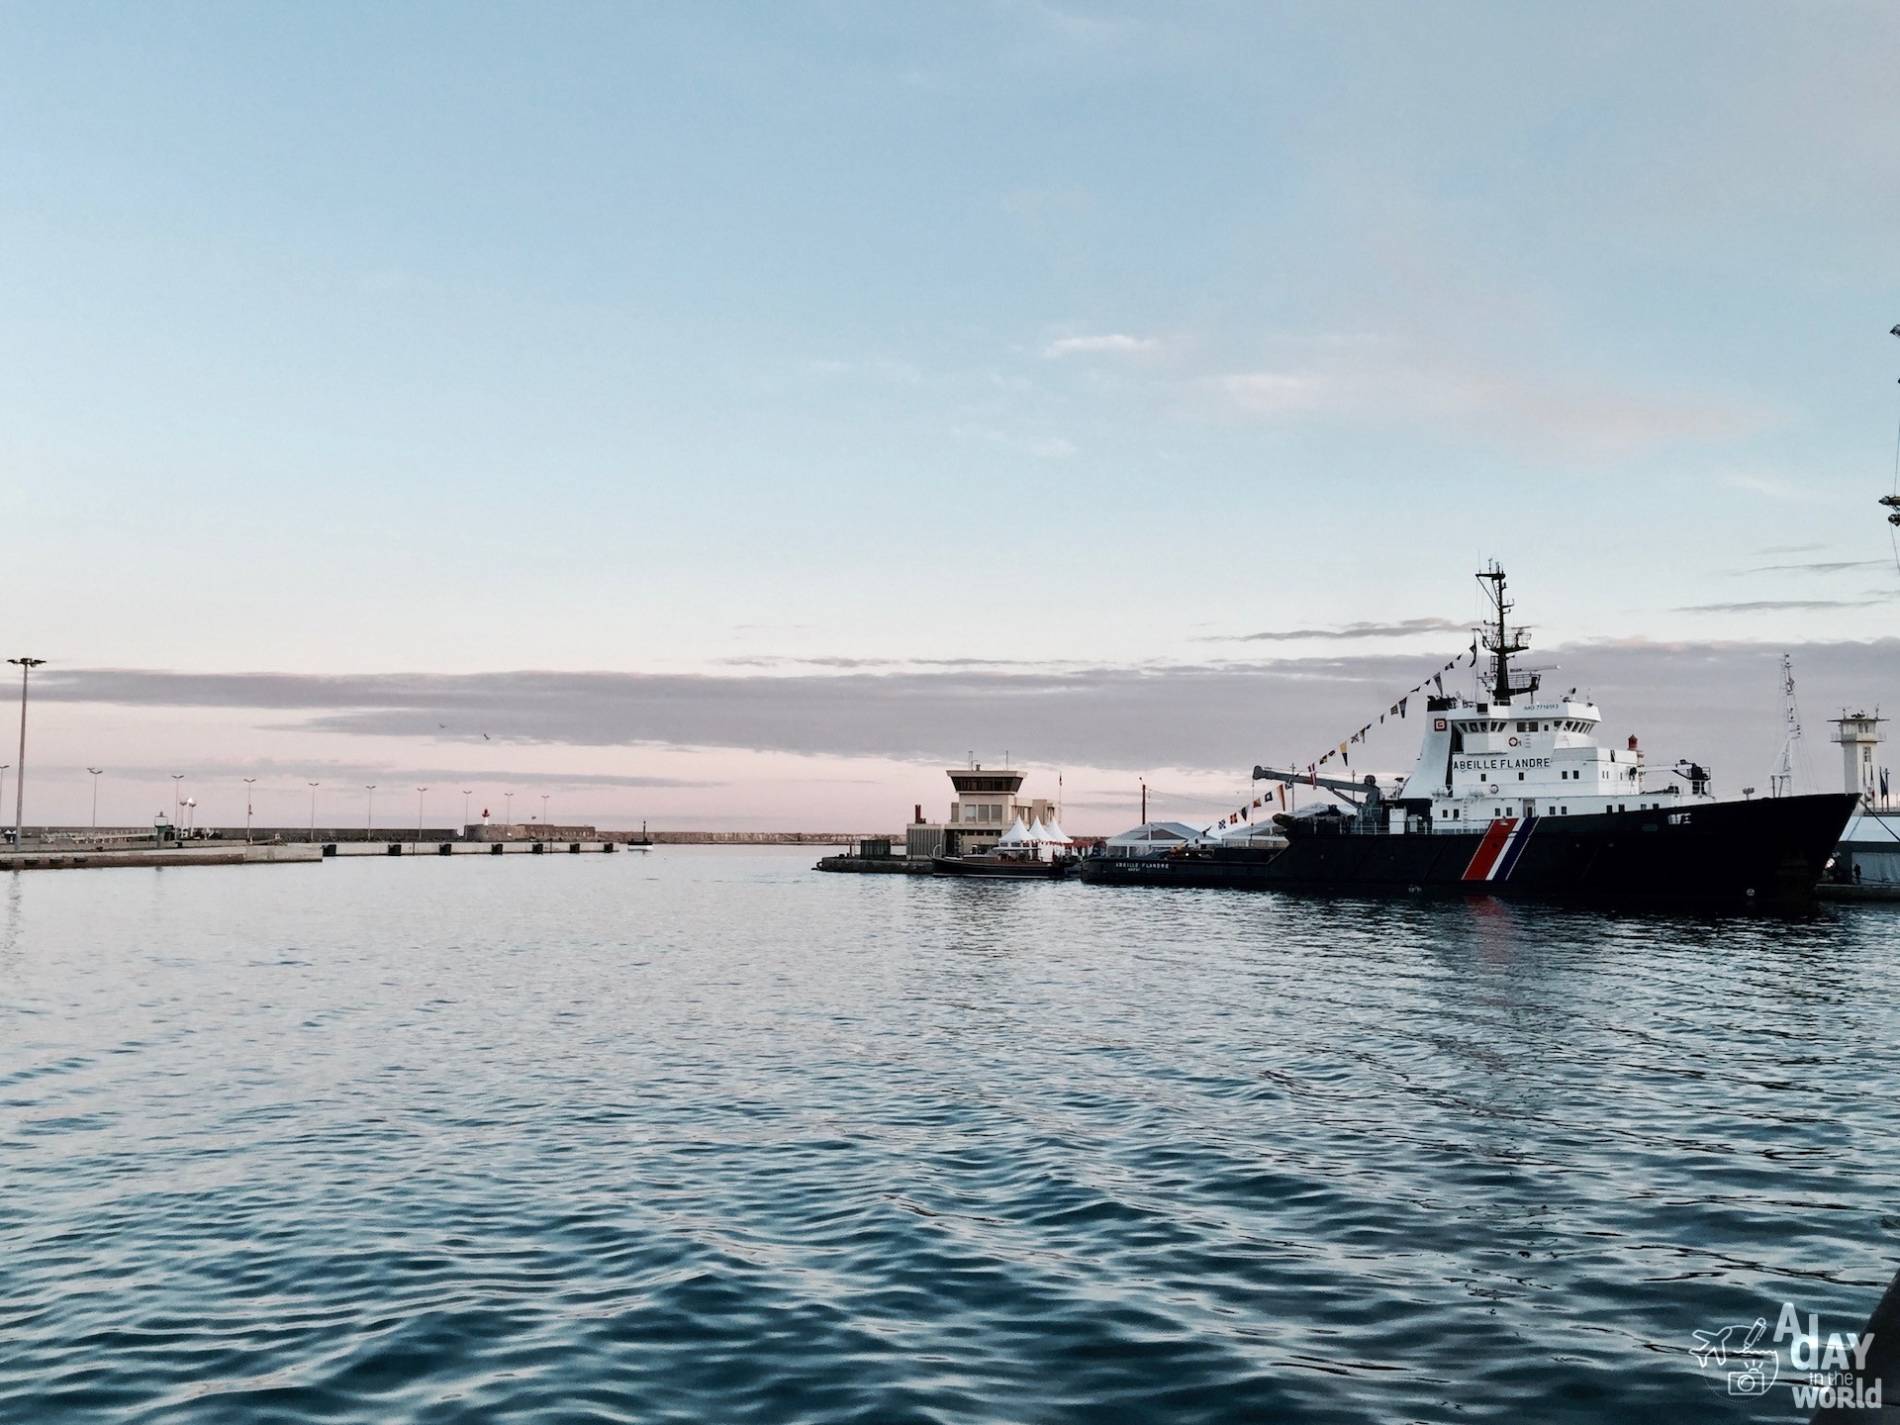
x,y
706,1137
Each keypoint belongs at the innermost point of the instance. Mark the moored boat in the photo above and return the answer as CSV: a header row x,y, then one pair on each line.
x,y
1004,866
1512,795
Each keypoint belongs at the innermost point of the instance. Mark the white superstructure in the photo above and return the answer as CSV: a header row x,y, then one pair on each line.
x,y
1509,753
1528,757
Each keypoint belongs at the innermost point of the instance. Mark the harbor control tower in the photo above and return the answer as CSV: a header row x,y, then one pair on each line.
x,y
985,805
1859,736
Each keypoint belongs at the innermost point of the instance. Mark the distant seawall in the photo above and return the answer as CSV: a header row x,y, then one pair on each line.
x,y
750,838
447,833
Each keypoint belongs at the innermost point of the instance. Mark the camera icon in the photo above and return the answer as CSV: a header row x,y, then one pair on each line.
x,y
1755,1369
1756,1379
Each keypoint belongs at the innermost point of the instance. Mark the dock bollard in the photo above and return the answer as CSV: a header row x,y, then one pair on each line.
x,y
540,848
495,850
447,848
395,849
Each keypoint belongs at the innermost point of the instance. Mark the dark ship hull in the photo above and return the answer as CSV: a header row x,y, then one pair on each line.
x,y
997,868
1748,854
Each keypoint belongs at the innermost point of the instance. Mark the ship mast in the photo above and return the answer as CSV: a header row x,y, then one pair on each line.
x,y
1499,641
1781,780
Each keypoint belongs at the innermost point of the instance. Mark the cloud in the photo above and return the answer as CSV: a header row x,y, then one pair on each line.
x,y
1822,566
1402,629
341,775
1104,344
1773,486
1378,382
1055,448
1762,606
1717,700
1274,393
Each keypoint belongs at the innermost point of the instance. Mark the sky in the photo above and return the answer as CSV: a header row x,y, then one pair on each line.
x,y
731,415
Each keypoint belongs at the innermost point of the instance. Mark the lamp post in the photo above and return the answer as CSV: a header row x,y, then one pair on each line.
x,y
249,782
313,809
466,794
544,811
419,792
191,813
26,666
95,800
509,815
177,805
369,811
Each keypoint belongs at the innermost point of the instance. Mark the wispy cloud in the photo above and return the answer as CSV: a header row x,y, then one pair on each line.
x,y
1818,566
340,775
1371,381
1402,629
1775,487
1100,344
1763,606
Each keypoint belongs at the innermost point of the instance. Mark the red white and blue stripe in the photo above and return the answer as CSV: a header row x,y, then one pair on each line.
x,y
1500,849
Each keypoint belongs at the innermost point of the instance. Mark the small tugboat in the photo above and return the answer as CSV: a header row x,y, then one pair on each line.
x,y
1513,796
1019,855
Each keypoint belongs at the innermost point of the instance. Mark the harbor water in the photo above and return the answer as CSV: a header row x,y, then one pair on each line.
x,y
704,1136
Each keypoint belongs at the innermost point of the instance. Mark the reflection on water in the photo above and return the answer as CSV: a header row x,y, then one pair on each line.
x,y
705,1136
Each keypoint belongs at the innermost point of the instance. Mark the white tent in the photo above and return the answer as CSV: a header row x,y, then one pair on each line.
x,y
1262,831
1155,838
1057,835
1017,835
1037,831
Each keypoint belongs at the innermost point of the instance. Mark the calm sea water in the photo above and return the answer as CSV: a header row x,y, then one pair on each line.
x,y
705,1136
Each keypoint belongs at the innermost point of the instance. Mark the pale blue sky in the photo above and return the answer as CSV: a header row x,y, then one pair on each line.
x,y
643,337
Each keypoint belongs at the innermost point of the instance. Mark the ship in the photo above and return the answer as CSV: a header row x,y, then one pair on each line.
x,y
1003,866
1020,854
1514,795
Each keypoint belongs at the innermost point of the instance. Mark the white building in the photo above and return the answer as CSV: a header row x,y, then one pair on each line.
x,y
986,803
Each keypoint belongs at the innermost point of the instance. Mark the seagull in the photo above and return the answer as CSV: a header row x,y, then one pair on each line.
x,y
486,738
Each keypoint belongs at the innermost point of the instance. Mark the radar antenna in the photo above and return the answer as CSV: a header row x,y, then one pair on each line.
x,y
1781,780
1503,642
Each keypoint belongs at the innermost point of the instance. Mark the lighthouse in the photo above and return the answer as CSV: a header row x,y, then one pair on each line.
x,y
1859,735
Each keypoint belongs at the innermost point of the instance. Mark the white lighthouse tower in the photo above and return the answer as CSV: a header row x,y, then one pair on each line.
x,y
1859,735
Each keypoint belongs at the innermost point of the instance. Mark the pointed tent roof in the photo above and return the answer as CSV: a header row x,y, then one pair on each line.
x,y
1015,836
1057,834
1037,831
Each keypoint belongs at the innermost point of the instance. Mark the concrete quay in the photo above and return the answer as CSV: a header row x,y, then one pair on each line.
x,y
466,848
202,853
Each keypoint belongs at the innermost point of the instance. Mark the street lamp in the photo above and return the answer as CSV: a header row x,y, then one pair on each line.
x,y
95,800
419,792
191,812
369,811
26,666
509,815
544,810
177,806
313,809
249,782
466,794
